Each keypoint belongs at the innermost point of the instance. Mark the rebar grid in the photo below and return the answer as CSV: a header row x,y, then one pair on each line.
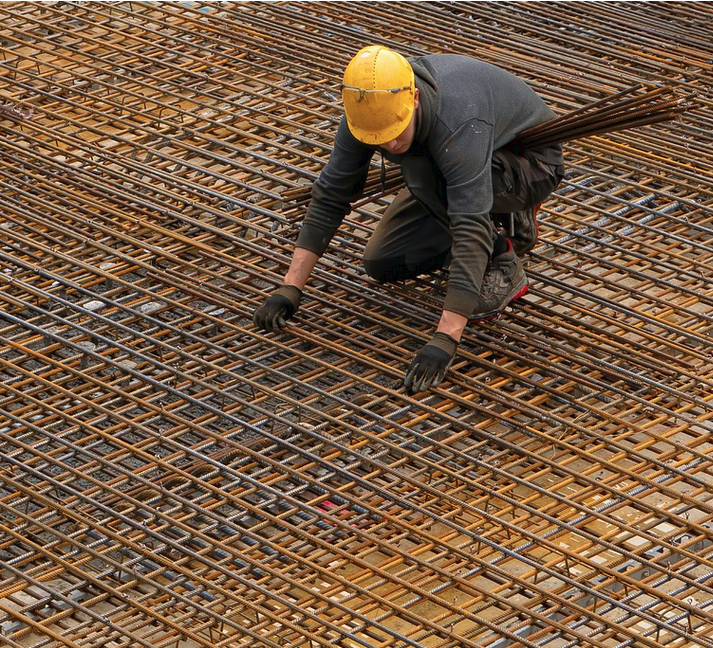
x,y
173,477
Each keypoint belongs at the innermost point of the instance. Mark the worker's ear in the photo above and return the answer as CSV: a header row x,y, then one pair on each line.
x,y
415,98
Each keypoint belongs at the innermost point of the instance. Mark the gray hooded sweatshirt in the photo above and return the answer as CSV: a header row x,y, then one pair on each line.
x,y
468,109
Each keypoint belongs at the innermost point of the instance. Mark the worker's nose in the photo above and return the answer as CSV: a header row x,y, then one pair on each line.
x,y
391,146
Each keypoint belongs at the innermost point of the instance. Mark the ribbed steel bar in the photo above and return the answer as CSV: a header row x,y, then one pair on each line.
x,y
173,477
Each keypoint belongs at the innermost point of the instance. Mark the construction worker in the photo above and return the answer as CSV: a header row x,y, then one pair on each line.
x,y
471,196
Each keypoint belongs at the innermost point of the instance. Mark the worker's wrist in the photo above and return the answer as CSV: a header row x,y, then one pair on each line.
x,y
295,282
303,262
452,324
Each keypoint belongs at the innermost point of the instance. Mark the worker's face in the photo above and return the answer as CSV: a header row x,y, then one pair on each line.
x,y
402,143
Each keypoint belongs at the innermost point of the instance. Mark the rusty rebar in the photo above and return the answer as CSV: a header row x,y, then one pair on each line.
x,y
172,476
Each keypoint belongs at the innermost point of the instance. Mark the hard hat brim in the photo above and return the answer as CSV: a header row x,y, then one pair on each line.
x,y
381,136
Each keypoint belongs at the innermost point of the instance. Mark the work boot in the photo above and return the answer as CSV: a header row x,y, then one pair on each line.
x,y
504,281
521,228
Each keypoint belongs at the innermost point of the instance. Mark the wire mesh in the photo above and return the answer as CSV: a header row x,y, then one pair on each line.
x,y
173,477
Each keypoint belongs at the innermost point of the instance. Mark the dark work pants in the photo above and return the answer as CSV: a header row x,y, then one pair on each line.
x,y
413,236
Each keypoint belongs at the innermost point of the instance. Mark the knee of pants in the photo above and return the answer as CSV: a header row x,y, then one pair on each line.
x,y
380,269
405,267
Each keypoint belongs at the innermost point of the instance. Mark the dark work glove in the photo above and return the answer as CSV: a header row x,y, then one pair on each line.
x,y
430,365
278,308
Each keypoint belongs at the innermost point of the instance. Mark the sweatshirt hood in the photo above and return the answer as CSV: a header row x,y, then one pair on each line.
x,y
427,97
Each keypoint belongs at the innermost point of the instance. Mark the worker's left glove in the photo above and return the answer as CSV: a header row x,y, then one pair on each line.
x,y
430,365
280,306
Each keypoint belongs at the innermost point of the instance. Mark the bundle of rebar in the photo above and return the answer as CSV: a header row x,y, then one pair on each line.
x,y
617,112
609,115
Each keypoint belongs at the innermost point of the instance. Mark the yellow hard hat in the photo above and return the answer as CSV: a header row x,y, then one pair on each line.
x,y
378,94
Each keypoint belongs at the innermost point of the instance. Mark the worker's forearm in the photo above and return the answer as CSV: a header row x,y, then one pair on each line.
x,y
452,324
303,262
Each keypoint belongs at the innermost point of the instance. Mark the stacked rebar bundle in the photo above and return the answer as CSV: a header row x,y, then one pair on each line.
x,y
611,114
623,110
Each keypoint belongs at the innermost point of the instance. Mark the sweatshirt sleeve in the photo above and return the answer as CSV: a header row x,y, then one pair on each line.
x,y
464,160
340,183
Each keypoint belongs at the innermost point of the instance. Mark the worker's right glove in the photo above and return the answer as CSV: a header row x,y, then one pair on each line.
x,y
278,308
430,365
